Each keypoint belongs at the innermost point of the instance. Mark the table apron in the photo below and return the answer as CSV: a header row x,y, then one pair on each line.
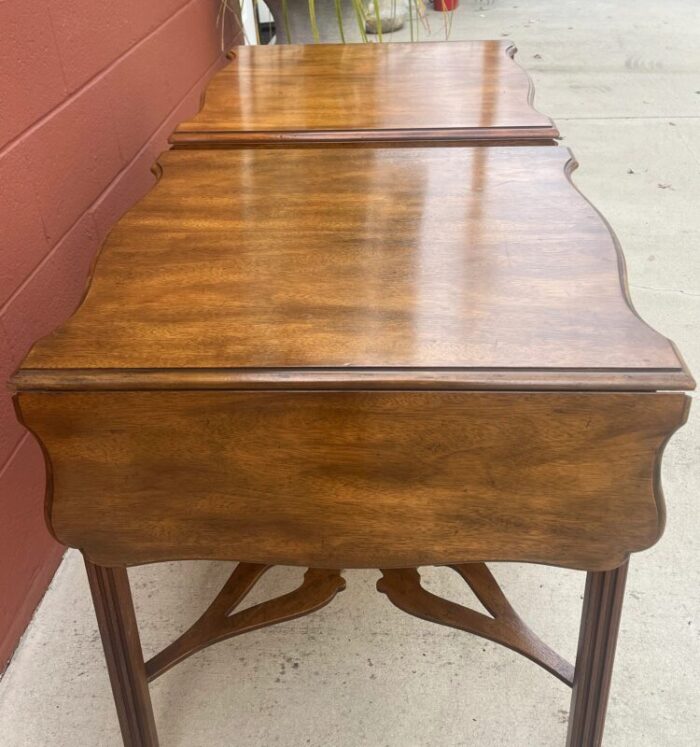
x,y
347,479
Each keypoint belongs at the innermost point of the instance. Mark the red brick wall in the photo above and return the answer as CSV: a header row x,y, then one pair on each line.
x,y
89,92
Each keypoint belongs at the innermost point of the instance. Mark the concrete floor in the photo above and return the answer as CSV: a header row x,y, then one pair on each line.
x,y
622,79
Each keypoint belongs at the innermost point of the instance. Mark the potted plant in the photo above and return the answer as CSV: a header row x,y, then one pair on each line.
x,y
302,21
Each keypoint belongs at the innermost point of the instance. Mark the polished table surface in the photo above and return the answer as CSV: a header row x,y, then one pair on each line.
x,y
468,91
363,275
453,266
357,358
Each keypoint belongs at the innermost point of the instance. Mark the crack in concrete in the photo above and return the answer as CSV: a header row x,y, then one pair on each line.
x,y
666,290
669,117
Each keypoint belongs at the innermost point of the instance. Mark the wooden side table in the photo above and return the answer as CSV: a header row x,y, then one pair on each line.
x,y
467,92
406,358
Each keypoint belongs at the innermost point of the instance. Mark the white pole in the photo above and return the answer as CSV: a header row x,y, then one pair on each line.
x,y
248,20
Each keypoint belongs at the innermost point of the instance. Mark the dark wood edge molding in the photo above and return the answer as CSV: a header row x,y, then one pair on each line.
x,y
511,51
401,142
305,379
571,166
207,138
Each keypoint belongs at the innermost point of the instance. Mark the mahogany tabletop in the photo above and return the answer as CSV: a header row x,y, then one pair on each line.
x,y
412,268
471,90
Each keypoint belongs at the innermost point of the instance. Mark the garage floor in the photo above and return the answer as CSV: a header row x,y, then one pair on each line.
x,y
622,80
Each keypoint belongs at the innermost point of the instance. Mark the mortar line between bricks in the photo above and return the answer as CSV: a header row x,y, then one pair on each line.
x,y
94,80
92,205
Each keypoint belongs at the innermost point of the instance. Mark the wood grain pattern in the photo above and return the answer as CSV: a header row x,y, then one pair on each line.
x,y
415,266
355,479
469,90
276,360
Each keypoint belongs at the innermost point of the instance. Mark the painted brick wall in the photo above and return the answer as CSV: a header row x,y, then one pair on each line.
x,y
89,92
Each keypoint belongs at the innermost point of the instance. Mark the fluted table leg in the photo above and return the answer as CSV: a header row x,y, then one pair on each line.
x,y
600,622
114,608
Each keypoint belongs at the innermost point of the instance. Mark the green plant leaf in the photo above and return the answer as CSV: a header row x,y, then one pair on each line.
x,y
314,21
378,18
359,9
339,17
285,17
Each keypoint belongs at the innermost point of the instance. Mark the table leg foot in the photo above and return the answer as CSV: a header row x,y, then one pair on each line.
x,y
114,608
600,622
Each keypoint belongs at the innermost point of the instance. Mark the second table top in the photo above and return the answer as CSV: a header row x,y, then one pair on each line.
x,y
469,90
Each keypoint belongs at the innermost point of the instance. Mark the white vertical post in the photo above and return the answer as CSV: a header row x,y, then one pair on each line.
x,y
249,21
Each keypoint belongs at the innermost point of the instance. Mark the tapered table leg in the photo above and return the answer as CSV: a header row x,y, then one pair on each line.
x,y
600,622
116,619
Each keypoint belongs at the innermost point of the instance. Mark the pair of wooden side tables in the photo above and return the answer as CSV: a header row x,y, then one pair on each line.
x,y
364,320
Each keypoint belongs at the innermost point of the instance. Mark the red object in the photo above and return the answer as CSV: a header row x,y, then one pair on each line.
x,y
87,105
445,5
